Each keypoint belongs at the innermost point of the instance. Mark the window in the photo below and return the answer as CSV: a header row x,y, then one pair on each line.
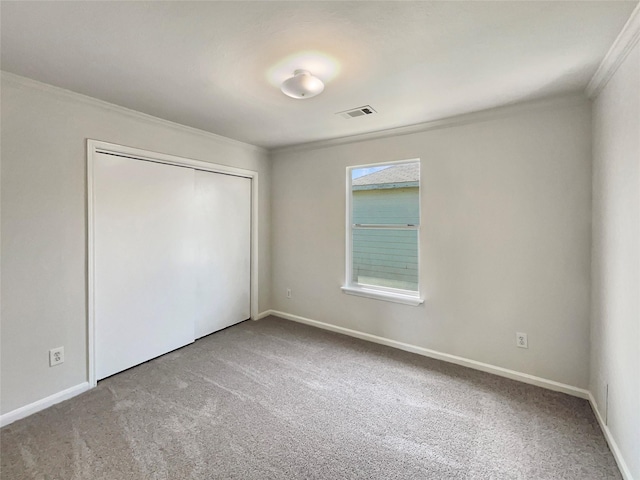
x,y
383,228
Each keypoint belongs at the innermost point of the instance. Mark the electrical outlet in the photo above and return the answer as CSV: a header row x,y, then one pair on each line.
x,y
56,356
288,293
521,340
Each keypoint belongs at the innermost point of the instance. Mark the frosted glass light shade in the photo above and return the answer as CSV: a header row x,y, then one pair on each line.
x,y
302,85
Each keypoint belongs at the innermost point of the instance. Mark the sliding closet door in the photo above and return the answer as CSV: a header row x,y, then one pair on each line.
x,y
144,261
223,235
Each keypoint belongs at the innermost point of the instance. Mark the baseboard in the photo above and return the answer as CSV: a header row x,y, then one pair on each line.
x,y
261,315
465,362
71,392
34,407
39,405
484,367
622,465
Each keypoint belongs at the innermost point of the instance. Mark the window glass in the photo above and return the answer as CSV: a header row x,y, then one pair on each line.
x,y
385,219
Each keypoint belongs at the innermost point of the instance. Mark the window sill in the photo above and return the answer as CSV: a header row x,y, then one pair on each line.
x,y
413,300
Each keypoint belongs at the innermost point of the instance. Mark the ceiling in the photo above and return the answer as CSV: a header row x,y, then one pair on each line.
x,y
217,66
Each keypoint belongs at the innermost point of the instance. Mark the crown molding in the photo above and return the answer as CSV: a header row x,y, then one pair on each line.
x,y
622,46
457,120
566,100
87,100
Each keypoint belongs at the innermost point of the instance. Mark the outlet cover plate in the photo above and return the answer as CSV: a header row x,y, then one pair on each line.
x,y
56,356
521,340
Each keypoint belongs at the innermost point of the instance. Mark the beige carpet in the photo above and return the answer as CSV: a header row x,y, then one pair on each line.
x,y
279,400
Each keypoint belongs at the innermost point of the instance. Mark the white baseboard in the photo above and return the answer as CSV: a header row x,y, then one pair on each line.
x,y
34,407
622,465
485,367
261,315
39,405
466,362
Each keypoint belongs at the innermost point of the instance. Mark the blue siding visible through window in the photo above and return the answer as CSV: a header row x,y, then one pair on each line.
x,y
386,257
398,206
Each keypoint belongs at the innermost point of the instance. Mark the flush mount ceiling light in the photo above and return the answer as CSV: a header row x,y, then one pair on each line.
x,y
302,85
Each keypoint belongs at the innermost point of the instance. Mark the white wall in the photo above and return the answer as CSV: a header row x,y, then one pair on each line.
x,y
505,239
615,314
44,132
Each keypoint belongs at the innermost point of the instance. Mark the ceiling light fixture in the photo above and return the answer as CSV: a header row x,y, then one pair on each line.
x,y
302,85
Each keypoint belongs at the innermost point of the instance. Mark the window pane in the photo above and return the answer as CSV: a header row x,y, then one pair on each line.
x,y
387,195
386,258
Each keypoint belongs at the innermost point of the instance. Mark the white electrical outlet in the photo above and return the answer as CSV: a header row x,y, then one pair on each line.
x,y
521,340
288,293
56,356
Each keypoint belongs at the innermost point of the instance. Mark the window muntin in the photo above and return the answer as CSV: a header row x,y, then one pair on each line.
x,y
383,228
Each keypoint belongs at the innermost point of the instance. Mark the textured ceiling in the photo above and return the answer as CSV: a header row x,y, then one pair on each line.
x,y
217,65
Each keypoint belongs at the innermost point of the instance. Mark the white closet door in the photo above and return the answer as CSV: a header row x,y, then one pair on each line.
x,y
144,261
223,252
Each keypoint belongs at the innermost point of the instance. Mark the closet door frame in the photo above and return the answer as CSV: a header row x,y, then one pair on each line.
x,y
95,147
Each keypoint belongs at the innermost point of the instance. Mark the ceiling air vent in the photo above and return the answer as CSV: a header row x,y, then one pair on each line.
x,y
357,112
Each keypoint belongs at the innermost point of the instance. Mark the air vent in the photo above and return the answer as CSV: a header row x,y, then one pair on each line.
x,y
357,112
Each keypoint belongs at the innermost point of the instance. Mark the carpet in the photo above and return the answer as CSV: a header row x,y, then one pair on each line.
x,y
275,399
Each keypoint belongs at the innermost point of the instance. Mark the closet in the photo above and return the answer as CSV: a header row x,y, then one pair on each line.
x,y
171,257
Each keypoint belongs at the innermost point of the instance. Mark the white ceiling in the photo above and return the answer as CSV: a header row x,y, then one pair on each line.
x,y
217,65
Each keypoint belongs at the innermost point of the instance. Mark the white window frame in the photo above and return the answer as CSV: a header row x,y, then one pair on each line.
x,y
406,297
